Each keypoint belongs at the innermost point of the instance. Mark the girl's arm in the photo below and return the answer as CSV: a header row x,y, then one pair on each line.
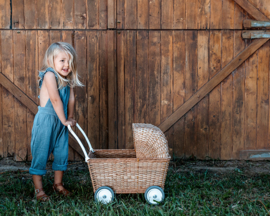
x,y
51,85
71,102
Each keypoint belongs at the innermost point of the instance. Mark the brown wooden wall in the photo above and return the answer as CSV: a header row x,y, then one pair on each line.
x,y
140,60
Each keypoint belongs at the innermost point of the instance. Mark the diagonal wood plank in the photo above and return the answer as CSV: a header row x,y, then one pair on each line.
x,y
253,11
30,104
210,85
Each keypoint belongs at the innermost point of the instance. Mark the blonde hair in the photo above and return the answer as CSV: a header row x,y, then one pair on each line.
x,y
72,79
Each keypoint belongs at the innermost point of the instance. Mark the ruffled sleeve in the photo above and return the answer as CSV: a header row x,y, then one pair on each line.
x,y
42,74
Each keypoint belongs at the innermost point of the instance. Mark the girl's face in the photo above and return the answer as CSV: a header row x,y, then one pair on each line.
x,y
61,64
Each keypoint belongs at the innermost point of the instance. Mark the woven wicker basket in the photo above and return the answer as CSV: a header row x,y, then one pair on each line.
x,y
149,141
127,171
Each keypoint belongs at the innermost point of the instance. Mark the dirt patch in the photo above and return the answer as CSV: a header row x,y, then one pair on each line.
x,y
215,166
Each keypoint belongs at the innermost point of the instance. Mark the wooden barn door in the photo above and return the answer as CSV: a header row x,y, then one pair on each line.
x,y
184,66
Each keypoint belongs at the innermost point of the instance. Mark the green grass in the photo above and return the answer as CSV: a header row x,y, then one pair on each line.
x,y
187,193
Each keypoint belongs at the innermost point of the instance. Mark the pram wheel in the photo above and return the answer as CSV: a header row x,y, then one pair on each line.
x,y
104,195
154,195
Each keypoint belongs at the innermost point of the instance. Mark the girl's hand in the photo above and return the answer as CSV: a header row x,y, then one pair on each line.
x,y
68,123
73,121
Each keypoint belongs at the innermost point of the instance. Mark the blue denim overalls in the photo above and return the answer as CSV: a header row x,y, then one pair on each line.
x,y
49,135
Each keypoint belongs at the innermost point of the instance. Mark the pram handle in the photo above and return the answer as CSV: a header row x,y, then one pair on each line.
x,y
79,141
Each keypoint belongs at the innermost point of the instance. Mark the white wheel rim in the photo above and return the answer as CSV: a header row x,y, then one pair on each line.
x,y
154,195
104,196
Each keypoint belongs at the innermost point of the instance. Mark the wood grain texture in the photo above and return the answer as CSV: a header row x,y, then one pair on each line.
x,y
192,14
204,14
93,41
80,14
179,67
5,14
111,14
238,127
166,14
130,14
143,14
43,14
226,97
214,95
216,14
154,14
212,83
68,14
18,14
93,14
112,91
55,14
30,14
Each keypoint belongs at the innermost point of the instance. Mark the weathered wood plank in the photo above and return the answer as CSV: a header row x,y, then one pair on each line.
x,y
80,16
121,51
263,97
214,95
154,78
248,23
179,14
130,74
30,14
238,98
250,101
143,14
154,14
204,14
103,90
8,99
93,14
216,14
1,105
228,14
253,11
55,36
179,65
103,18
5,14
56,14
212,83
130,14
93,40
43,14
112,90
141,83
192,14
43,45
191,39
68,14
201,121
18,14
111,14
226,97
120,14
248,34
166,14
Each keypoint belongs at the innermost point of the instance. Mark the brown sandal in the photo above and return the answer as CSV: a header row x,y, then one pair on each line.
x,y
43,198
64,191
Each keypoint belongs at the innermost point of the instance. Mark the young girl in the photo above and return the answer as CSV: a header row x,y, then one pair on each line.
x,y
58,77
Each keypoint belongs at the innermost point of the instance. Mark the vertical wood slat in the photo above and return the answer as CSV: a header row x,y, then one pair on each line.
x,y
192,14
80,16
154,14
1,106
68,14
201,121
112,91
179,14
55,14
216,14
30,12
93,14
93,41
141,83
250,101
204,14
18,14
166,82
143,14
191,38
20,118
130,14
7,97
179,58
111,14
154,78
228,14
5,14
121,47
130,74
214,96
103,90
226,97
43,14
263,97
166,14
31,60
238,98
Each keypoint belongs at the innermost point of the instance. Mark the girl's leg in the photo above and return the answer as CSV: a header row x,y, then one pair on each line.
x,y
58,176
37,179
